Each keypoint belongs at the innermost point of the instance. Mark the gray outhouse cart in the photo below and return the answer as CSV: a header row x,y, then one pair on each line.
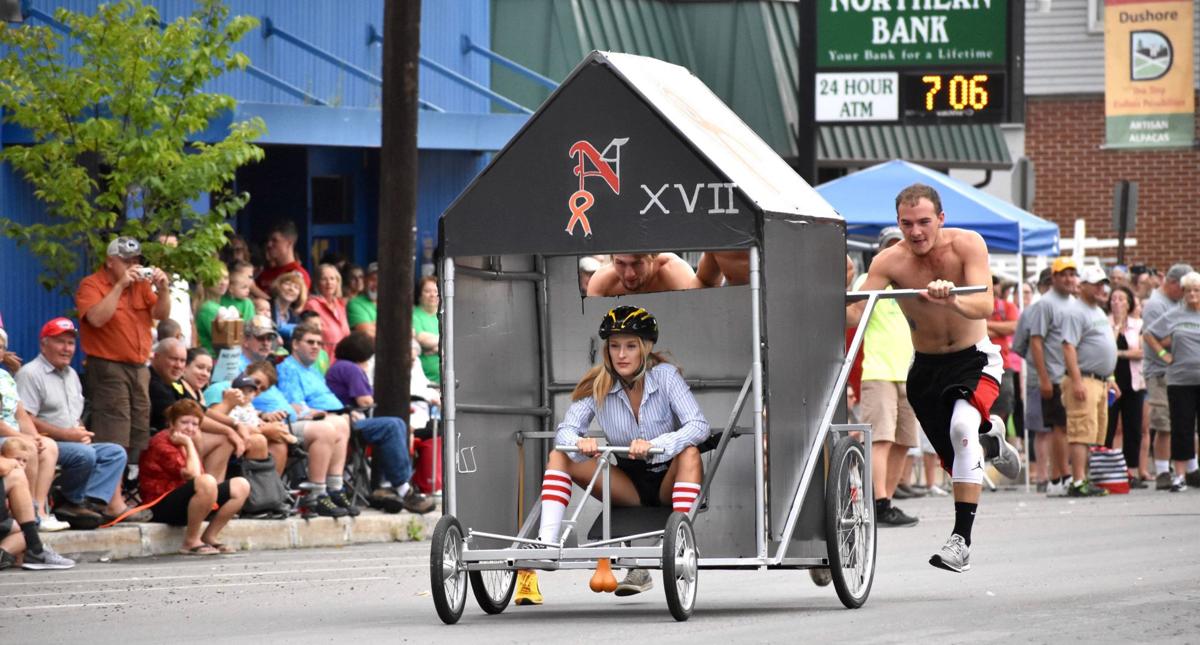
x,y
634,155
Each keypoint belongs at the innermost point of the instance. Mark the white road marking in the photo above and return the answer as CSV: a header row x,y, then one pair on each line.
x,y
46,580
78,605
209,586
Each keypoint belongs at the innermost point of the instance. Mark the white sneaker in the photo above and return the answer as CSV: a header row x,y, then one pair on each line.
x,y
937,491
1008,462
51,524
1056,490
954,555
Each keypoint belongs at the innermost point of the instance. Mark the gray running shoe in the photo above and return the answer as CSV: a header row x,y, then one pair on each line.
x,y
1008,462
1162,481
635,582
954,556
47,559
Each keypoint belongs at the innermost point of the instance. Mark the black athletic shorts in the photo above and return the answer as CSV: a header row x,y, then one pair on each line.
x,y
647,478
1054,415
173,509
937,381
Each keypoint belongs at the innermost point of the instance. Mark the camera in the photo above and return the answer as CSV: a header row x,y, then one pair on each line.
x,y
145,273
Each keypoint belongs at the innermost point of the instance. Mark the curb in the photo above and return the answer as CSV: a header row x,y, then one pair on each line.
x,y
144,540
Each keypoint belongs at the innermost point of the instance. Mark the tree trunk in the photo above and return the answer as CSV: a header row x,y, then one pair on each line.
x,y
397,206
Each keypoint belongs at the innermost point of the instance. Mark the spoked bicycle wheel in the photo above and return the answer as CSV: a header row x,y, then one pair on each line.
x,y
680,566
448,576
493,589
850,524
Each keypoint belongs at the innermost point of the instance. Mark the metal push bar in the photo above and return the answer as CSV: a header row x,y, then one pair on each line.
x,y
591,549
835,397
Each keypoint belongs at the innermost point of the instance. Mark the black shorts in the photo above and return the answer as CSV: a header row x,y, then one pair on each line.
x,y
937,381
647,478
173,509
1054,415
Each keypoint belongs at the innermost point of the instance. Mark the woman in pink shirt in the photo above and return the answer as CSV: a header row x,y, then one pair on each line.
x,y
330,306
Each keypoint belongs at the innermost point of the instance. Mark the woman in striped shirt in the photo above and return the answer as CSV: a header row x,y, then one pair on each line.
x,y
639,400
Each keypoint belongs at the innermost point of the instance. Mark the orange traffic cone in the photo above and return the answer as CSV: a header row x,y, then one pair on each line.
x,y
603,580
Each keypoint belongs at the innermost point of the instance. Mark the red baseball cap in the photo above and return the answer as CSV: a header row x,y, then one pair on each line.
x,y
57,327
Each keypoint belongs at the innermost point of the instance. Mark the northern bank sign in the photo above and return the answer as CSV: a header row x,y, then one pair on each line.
x,y
882,34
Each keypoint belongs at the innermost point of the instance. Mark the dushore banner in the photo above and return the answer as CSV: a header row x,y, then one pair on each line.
x,y
1149,100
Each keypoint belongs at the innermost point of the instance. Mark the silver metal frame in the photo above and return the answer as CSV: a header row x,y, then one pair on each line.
x,y
551,556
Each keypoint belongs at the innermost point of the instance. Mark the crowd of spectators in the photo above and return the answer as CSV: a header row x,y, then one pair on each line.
x,y
147,435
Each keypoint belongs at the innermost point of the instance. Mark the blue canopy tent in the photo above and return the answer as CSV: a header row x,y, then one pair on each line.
x,y
865,200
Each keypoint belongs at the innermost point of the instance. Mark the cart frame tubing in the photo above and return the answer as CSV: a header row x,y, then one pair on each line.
x,y
450,413
760,491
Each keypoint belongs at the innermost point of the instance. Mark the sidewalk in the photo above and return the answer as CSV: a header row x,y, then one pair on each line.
x,y
141,540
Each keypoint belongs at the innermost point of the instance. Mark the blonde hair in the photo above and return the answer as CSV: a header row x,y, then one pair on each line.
x,y
598,380
330,267
295,278
206,292
1190,280
20,444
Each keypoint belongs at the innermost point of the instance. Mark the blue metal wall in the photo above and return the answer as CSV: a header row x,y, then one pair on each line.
x,y
448,159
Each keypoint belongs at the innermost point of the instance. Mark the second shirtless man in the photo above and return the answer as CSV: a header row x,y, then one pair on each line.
x,y
956,371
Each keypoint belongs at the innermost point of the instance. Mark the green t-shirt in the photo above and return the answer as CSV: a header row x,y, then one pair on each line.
x,y
431,364
245,306
887,344
360,309
205,316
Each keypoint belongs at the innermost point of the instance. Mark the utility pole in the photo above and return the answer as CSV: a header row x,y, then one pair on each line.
x,y
806,88
397,206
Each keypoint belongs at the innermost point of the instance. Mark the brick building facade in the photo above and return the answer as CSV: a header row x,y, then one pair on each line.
x,y
1075,178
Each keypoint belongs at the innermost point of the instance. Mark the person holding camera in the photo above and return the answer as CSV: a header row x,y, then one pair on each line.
x,y
117,308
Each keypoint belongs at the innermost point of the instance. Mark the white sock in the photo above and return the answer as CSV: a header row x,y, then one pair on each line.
x,y
1193,465
556,494
403,489
1161,466
683,496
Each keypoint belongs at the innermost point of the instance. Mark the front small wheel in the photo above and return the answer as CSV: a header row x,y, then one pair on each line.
x,y
850,523
493,589
447,575
680,565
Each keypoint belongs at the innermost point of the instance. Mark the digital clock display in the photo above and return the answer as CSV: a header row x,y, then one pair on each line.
x,y
952,96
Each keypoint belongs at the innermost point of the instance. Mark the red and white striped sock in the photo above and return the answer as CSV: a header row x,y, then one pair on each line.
x,y
556,495
683,496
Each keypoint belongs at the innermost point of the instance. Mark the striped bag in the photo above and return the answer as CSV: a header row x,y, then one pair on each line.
x,y
1106,469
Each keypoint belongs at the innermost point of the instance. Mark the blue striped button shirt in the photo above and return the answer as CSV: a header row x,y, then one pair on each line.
x,y
669,418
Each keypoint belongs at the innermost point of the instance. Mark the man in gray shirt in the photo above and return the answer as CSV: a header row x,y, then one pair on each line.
x,y
1175,337
1040,463
1045,351
1090,356
90,480
1154,370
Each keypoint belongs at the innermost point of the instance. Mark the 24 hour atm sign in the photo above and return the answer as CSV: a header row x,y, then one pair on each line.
x,y
884,34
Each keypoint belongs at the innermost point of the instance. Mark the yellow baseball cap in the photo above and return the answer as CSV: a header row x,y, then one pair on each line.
x,y
1062,264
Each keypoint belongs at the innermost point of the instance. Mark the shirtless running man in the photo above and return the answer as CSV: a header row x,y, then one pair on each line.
x,y
956,371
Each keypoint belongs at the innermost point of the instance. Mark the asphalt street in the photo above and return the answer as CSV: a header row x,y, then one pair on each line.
x,y
1119,569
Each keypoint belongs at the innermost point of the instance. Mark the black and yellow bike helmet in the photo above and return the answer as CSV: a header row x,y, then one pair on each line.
x,y
629,320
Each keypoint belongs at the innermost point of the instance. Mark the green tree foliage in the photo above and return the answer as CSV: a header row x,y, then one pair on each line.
x,y
117,110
